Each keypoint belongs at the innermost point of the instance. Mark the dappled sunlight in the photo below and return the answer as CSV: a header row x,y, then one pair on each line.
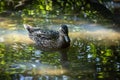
x,y
7,23
87,32
103,35
48,71
98,35
37,68
13,37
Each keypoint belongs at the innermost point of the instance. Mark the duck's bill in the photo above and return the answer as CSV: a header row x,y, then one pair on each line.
x,y
66,38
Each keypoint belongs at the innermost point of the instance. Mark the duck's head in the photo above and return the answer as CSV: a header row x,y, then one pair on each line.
x,y
64,32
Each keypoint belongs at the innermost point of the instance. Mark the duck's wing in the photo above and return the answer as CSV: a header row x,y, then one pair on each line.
x,y
39,33
46,34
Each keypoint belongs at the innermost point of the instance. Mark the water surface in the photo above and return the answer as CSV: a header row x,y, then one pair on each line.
x,y
93,54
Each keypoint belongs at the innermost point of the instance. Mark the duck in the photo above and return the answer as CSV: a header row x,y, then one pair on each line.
x,y
49,39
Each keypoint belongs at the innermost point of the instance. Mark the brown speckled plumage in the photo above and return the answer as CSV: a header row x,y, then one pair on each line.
x,y
48,38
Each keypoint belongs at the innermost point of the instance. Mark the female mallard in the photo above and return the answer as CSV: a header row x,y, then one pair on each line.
x,y
48,38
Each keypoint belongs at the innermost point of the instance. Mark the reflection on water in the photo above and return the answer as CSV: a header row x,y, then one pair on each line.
x,y
94,54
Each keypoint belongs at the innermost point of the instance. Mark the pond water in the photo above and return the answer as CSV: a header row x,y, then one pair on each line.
x,y
93,54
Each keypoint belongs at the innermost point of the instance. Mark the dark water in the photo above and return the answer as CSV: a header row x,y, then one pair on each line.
x,y
93,55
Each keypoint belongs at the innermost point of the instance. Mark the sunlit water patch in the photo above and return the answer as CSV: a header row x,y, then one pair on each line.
x,y
96,32
12,36
83,31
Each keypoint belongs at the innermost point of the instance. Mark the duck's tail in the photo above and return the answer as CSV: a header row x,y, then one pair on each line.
x,y
28,27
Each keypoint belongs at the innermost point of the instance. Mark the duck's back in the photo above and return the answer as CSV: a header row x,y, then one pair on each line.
x,y
46,34
45,38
